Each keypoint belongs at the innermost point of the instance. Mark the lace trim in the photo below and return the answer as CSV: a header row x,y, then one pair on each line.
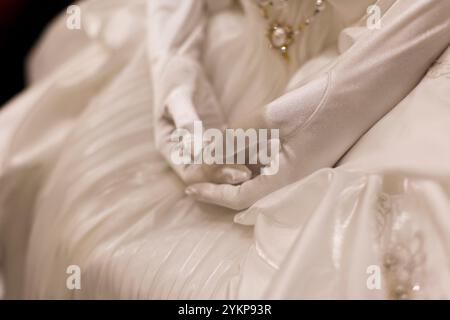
x,y
403,253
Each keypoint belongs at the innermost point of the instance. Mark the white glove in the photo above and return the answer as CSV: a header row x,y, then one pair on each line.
x,y
320,121
182,91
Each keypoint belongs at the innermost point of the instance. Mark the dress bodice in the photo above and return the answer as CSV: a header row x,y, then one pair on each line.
x,y
239,57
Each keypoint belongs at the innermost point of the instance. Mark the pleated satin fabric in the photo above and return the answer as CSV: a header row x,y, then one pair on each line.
x,y
82,182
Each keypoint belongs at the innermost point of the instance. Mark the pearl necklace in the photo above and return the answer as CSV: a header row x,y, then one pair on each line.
x,y
281,35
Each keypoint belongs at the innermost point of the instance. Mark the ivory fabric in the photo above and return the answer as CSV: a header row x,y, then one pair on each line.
x,y
321,120
84,183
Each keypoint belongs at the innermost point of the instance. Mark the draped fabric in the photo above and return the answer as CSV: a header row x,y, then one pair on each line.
x,y
83,183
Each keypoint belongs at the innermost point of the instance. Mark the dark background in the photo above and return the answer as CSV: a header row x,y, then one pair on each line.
x,y
21,23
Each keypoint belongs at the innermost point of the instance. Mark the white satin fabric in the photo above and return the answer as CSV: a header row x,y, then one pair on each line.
x,y
388,201
321,120
82,182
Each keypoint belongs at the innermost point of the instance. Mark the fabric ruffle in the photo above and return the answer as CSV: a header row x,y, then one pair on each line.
x,y
321,237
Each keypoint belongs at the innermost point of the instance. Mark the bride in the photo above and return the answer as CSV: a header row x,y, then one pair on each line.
x,y
358,209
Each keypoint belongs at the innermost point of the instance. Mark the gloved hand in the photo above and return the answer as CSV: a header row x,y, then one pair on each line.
x,y
320,121
182,92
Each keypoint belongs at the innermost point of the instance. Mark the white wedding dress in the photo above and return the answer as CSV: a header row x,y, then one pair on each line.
x,y
82,182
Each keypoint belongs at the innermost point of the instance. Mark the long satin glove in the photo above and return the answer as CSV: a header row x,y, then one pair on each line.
x,y
322,120
182,92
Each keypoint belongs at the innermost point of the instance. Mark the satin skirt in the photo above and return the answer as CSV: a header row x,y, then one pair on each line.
x,y
83,184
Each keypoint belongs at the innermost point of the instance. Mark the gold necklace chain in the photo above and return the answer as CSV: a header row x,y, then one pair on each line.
x,y
282,35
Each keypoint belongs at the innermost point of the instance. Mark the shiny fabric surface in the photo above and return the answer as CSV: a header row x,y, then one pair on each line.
x,y
82,181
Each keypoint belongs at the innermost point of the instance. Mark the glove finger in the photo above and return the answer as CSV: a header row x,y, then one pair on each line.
x,y
233,197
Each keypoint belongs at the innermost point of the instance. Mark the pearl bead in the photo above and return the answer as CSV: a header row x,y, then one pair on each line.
x,y
282,35
320,5
279,37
